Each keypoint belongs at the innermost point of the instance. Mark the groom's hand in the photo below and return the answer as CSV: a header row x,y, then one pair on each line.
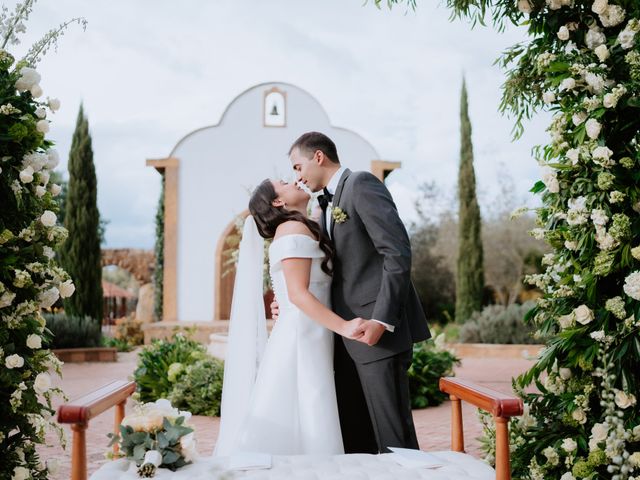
x,y
275,310
372,333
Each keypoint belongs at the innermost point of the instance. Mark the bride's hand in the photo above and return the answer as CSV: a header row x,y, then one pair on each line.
x,y
354,329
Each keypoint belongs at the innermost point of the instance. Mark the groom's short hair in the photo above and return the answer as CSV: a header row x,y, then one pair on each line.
x,y
311,141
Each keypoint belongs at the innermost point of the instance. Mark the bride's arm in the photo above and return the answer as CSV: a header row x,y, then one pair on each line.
x,y
297,272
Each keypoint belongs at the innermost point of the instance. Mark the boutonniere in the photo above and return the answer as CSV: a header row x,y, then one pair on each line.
x,y
339,215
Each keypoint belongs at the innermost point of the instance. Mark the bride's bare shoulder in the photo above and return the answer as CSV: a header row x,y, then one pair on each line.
x,y
292,227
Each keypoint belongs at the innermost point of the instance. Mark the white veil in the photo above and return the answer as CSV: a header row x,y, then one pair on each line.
x,y
247,338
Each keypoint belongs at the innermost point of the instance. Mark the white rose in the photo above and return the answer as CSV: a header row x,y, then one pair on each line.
x,y
599,217
14,361
44,176
579,416
26,175
40,191
579,118
595,38
53,159
548,97
573,154
66,289
34,341
42,126
569,445
599,6
624,400
634,459
42,383
568,84
54,104
48,297
610,100
36,91
612,16
53,465
48,218
602,52
41,112
21,473
567,476
48,252
593,128
563,33
583,314
28,78
595,82
599,432
55,189
632,285
551,181
524,6
188,447
153,457
565,373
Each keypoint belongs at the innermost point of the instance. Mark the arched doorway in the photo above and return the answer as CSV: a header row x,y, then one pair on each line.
x,y
225,273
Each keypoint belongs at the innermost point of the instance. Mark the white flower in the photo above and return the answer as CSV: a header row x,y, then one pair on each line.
x,y
44,177
537,233
26,175
40,191
565,373
153,457
188,447
596,82
612,16
34,341
53,465
42,126
48,218
602,156
54,104
634,459
21,473
563,33
599,217
567,321
548,97
66,288
573,154
568,84
524,6
567,476
598,336
550,179
41,112
36,91
583,314
48,297
610,100
599,432
579,416
578,118
632,285
570,47
624,400
626,38
599,6
53,159
42,383
28,78
6,299
594,38
55,189
569,445
602,52
14,361
570,245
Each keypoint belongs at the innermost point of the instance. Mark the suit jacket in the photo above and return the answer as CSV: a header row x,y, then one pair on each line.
x,y
372,268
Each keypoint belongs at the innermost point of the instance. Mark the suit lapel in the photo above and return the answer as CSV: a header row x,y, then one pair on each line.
x,y
337,195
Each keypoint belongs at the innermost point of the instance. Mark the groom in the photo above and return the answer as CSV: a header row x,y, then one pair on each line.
x,y
371,279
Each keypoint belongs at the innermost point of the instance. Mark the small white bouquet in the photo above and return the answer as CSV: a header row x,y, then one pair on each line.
x,y
156,435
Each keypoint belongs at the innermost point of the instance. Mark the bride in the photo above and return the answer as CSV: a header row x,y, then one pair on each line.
x,y
278,395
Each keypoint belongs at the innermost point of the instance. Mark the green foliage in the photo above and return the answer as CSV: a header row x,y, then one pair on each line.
x,y
70,331
430,363
152,374
470,271
117,343
81,255
499,324
199,387
158,272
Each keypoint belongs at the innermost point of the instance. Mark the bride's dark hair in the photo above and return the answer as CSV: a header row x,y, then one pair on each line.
x,y
268,217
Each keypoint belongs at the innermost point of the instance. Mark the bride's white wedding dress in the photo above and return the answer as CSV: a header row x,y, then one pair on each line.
x,y
292,409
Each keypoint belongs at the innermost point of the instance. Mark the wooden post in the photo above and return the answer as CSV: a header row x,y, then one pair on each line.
x,y
503,467
79,452
119,416
457,435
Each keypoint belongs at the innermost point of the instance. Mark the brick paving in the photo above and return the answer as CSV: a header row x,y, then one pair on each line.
x,y
432,424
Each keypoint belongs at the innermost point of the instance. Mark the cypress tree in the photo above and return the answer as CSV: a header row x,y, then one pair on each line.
x,y
80,255
158,273
470,272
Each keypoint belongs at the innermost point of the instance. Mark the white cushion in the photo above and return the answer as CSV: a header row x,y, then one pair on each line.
x,y
457,466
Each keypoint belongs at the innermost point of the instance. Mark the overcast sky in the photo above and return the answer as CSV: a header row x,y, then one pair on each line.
x,y
150,72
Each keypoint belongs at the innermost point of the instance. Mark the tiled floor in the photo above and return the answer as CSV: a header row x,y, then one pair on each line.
x,y
432,424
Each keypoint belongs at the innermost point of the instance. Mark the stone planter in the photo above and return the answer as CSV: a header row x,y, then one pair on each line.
x,y
91,354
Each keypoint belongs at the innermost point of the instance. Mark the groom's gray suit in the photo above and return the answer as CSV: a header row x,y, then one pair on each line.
x,y
371,279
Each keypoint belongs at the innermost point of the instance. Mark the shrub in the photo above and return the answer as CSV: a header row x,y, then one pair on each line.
x,y
120,345
73,332
430,362
199,388
129,329
152,375
499,324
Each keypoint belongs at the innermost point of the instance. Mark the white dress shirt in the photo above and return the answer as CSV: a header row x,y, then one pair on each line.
x,y
331,187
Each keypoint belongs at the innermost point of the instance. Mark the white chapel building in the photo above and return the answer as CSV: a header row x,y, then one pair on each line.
x,y
209,176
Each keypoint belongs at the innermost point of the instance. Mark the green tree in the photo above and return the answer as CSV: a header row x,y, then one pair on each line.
x,y
158,284
470,272
80,254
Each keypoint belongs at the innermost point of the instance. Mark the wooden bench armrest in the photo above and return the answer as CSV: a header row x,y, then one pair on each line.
x,y
80,411
502,406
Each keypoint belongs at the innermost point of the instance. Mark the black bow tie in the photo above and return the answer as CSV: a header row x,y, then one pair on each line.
x,y
325,198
